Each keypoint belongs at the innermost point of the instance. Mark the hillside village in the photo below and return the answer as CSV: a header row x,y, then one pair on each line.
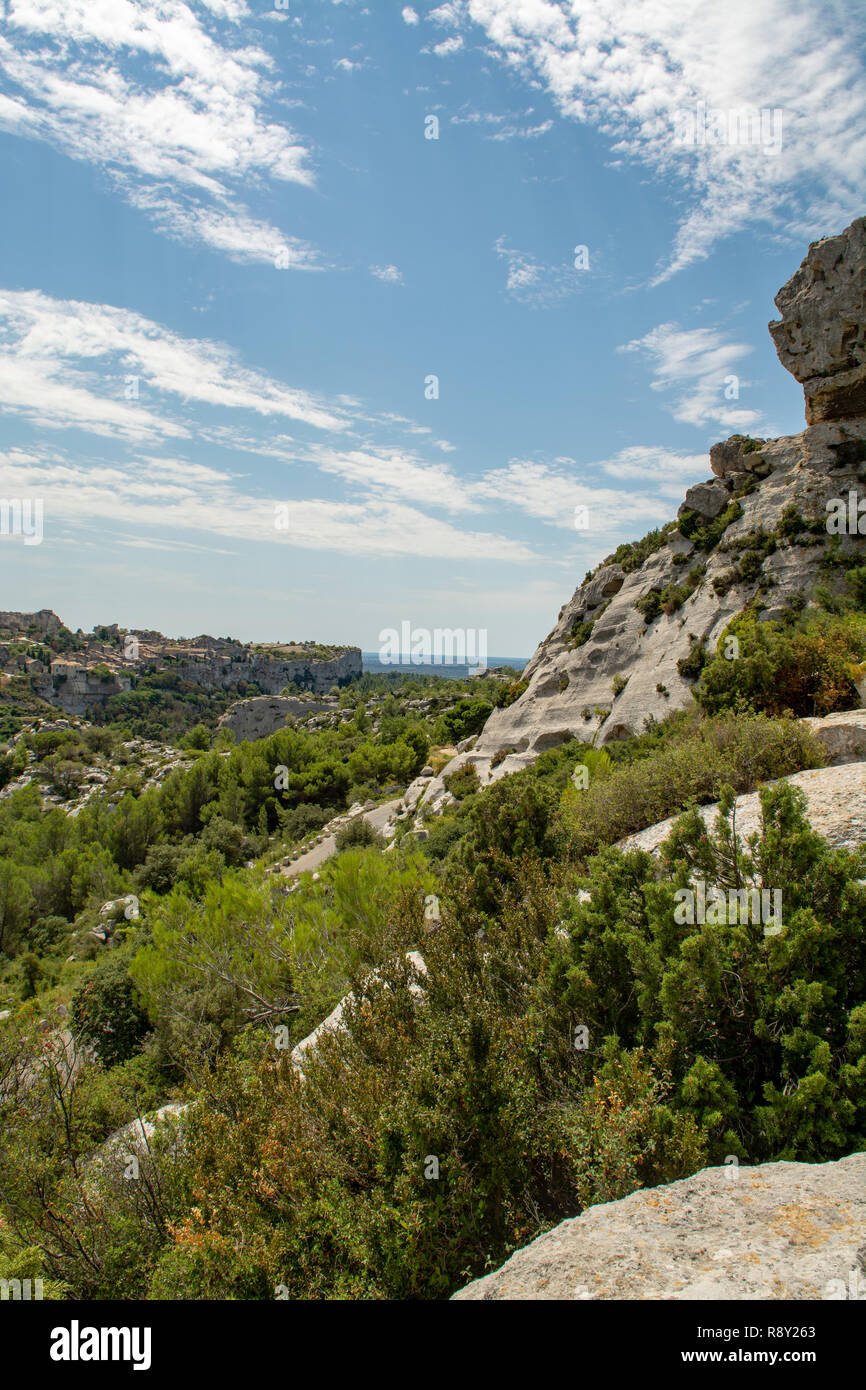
x,y
76,671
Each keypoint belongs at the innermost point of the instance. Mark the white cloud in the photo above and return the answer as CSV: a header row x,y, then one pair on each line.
x,y
389,274
629,69
516,129
153,497
452,14
696,366
671,470
448,46
395,473
410,16
149,91
550,494
530,282
65,363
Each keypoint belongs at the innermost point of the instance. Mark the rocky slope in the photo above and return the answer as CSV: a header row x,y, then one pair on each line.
x,y
775,1231
614,659
77,671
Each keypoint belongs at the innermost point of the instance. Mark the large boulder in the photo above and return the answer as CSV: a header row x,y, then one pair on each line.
x,y
775,1231
821,336
707,499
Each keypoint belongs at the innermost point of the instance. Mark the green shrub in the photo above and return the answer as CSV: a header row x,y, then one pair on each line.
x,y
805,667
739,750
357,833
106,1012
464,781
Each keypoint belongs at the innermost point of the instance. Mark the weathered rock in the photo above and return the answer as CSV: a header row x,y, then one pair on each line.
x,y
775,1231
739,454
843,736
707,499
266,714
821,336
835,808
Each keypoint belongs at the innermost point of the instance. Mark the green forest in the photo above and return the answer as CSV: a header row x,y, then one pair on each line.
x,y
528,1028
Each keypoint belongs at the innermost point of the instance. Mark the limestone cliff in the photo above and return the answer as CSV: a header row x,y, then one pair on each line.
x,y
622,651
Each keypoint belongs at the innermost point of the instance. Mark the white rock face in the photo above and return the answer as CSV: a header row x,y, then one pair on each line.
x,y
775,1231
835,809
603,672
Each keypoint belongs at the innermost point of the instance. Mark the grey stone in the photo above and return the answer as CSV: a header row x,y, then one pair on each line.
x,y
707,499
774,1231
821,336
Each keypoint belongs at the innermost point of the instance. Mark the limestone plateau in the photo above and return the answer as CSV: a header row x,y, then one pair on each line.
x,y
74,671
626,646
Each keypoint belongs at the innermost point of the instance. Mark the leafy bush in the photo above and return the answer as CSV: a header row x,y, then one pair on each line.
x,y
768,1032
464,781
106,1012
463,719
690,769
804,667
356,833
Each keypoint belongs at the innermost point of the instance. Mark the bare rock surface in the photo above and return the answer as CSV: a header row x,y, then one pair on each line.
x,y
263,715
836,809
775,1231
821,336
842,735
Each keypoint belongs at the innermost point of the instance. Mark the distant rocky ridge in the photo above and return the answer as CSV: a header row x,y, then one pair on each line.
x,y
75,671
615,657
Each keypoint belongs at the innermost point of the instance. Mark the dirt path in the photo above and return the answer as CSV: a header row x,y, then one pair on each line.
x,y
378,817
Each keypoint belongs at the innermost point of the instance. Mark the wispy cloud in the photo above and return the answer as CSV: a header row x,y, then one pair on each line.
x,y
550,492
696,367
530,282
389,274
172,104
154,496
631,69
94,366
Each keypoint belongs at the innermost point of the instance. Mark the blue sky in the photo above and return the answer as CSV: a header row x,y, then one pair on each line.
x,y
230,260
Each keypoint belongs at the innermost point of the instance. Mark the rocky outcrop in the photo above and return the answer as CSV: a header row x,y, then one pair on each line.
x,y
76,671
622,651
775,1231
271,674
843,736
835,809
266,714
821,336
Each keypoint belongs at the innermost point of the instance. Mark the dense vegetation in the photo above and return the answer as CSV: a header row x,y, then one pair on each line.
x,y
566,1040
